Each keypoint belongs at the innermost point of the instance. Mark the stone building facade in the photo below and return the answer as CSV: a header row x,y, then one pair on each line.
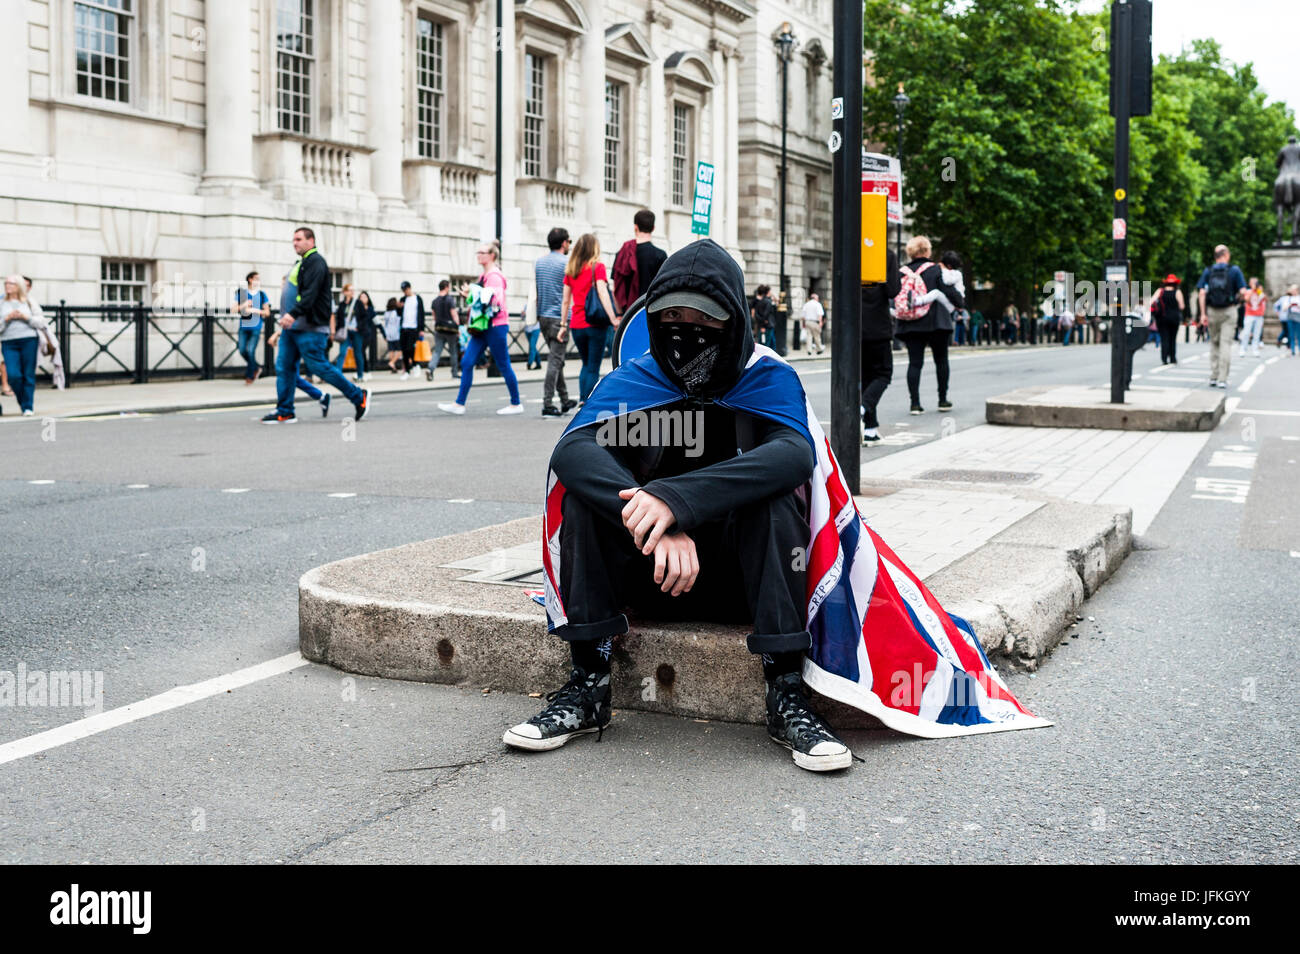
x,y
153,147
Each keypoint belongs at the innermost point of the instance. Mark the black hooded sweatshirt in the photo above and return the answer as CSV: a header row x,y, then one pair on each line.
x,y
704,486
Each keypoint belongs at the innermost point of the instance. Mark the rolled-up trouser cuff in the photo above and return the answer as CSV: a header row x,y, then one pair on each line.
x,y
778,642
581,632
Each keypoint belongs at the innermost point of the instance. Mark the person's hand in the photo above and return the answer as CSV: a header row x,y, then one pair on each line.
x,y
563,333
14,315
677,564
646,517
286,321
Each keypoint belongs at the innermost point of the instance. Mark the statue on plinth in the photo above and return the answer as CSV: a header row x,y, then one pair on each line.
x,y
1286,188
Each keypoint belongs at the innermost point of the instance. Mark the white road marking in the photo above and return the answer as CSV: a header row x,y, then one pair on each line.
x,y
137,486
461,500
236,490
1226,458
1250,380
1220,488
1247,410
40,481
171,699
342,495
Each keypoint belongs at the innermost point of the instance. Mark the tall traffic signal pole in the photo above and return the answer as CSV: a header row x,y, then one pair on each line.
x,y
1121,42
846,242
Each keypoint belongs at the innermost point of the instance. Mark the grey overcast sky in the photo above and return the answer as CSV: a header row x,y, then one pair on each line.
x,y
1263,32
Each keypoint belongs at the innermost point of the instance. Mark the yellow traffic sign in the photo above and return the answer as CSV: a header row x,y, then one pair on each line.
x,y
1119,195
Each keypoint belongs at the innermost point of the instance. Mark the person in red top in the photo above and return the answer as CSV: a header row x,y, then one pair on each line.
x,y
1253,329
584,269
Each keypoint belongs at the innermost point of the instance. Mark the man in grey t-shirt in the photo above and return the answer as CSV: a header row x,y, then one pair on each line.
x,y
548,278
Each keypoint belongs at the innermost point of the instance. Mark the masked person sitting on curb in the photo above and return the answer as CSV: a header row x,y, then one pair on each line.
x,y
688,488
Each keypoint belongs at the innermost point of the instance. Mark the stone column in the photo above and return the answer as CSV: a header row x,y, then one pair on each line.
x,y
731,185
723,161
15,85
385,86
228,138
593,81
513,99
660,139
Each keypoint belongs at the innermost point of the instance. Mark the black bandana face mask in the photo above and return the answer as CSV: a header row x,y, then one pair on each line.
x,y
691,352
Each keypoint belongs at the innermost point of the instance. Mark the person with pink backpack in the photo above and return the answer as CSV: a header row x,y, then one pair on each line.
x,y
925,319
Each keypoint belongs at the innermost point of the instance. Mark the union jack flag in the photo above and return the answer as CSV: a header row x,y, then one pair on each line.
x,y
880,640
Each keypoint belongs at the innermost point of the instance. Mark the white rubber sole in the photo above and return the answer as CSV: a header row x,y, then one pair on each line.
x,y
541,745
818,763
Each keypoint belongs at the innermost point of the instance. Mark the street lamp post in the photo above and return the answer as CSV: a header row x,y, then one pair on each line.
x,y
900,106
785,47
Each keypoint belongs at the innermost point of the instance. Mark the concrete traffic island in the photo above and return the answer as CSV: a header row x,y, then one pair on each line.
x,y
453,610
1144,408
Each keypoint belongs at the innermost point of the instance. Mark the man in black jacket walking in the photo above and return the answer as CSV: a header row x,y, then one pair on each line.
x,y
686,527
877,345
305,318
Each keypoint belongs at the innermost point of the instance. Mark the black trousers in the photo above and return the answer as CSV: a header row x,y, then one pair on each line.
x,y
751,571
409,337
1168,341
877,373
916,345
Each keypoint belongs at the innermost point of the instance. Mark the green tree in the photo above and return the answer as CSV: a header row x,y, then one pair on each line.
x,y
1237,136
1008,142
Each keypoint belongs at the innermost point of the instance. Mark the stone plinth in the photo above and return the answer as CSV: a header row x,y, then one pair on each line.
x,y
1144,409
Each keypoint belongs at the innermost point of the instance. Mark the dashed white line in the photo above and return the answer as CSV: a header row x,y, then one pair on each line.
x,y
461,500
1250,380
40,481
342,495
236,490
171,699
137,486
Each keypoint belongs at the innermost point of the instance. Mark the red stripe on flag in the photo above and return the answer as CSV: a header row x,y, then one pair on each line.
x,y
902,662
550,528
970,659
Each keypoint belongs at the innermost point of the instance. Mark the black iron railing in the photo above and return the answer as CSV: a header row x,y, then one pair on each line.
x,y
134,343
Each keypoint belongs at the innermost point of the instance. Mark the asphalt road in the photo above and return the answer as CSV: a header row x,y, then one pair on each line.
x,y
1173,710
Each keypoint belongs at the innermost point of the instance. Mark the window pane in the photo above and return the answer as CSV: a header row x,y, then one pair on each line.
x,y
534,114
294,64
102,37
613,136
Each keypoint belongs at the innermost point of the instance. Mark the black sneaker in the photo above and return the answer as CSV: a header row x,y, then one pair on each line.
x,y
550,410
274,418
580,706
945,405
917,409
324,405
567,405
791,723
363,406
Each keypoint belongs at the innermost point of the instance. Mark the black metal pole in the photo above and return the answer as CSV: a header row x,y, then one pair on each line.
x,y
1120,62
846,246
500,111
783,312
898,237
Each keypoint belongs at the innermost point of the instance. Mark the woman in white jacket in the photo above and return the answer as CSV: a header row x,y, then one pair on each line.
x,y
22,336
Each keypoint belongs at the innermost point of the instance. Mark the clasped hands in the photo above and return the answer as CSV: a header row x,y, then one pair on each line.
x,y
648,518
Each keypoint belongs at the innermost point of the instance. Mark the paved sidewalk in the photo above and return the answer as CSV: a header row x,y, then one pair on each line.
x,y
1128,468
932,528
